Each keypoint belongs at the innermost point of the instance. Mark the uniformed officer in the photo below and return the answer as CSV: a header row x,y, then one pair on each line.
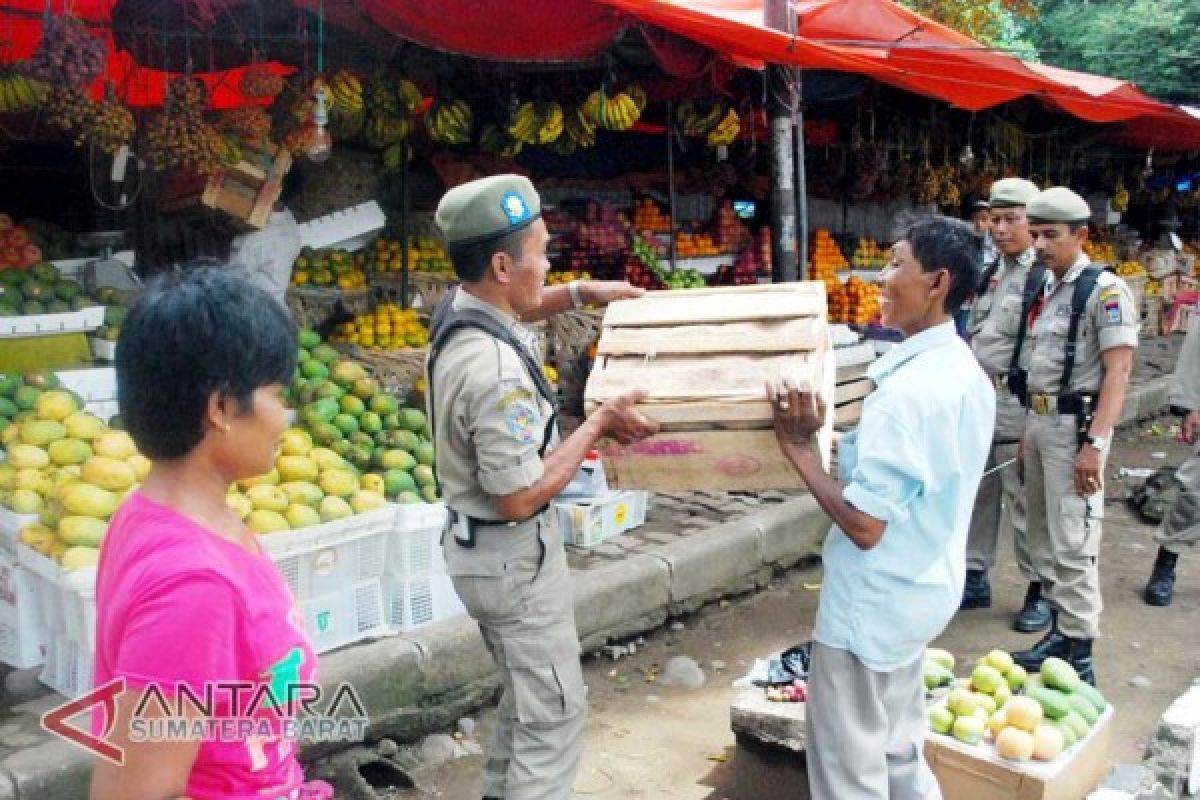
x,y
1084,333
1181,524
997,335
500,464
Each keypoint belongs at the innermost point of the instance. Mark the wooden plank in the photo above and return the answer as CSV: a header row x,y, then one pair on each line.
x,y
701,460
766,336
710,414
849,413
694,306
857,390
676,378
851,373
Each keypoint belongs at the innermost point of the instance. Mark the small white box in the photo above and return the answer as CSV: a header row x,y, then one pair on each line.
x,y
588,522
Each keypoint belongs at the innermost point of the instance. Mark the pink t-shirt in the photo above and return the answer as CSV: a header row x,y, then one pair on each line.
x,y
178,605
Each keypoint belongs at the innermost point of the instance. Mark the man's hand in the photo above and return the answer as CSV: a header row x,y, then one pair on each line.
x,y
1088,479
620,419
797,414
601,293
1191,426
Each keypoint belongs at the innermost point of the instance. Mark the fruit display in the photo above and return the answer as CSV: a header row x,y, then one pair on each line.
x,y
869,255
536,123
40,290
68,55
695,245
615,111
854,302
20,93
425,254
566,276
1100,252
64,465
328,268
70,111
826,257
699,119
726,131
114,318
179,137
1131,269
388,327
1023,716
112,125
250,123
18,250
259,82
347,412
449,121
648,217
745,271
733,235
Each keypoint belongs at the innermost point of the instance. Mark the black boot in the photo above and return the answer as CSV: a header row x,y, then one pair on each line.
x,y
977,592
1052,644
1034,616
1161,587
1079,656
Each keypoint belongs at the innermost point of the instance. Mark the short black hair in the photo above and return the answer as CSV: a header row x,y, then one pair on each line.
x,y
192,332
471,261
940,242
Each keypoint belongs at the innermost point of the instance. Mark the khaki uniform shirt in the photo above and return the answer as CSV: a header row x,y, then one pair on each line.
x,y
996,314
488,418
1109,320
1185,387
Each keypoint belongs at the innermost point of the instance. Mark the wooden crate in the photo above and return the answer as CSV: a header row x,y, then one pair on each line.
x,y
704,356
246,191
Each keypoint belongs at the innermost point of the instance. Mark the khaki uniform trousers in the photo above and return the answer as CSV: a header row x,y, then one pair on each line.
x,y
866,730
515,583
1064,528
1000,501
1181,525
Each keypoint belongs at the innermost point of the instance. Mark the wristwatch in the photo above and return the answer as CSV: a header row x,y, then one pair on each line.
x,y
576,297
1098,442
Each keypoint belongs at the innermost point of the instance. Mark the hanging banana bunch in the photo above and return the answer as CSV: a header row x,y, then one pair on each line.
x,y
383,130
726,131
1120,198
20,93
615,112
409,96
694,122
579,128
449,122
497,141
552,121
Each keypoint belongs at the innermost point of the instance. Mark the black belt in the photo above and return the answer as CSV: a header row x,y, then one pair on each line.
x,y
1074,403
475,524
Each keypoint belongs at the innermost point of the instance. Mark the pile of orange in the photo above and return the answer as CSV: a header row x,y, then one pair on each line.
x,y
388,327
566,276
649,216
425,254
695,245
826,258
856,302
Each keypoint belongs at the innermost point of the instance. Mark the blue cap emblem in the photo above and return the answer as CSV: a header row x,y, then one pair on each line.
x,y
514,208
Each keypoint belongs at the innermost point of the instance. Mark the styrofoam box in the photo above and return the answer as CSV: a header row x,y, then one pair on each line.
x,y
103,349
46,575
22,637
420,600
47,324
345,616
853,355
323,559
350,228
97,385
585,523
68,667
11,524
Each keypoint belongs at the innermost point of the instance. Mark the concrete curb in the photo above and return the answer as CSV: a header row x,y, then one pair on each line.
x,y
1144,401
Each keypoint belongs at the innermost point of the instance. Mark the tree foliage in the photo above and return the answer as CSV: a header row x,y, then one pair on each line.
x,y
988,21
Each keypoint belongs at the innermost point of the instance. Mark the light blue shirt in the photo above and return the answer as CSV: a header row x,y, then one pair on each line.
x,y
914,462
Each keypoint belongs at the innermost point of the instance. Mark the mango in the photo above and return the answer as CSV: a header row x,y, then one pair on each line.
x,y
363,501
26,501
335,508
297,468
302,516
424,454
108,473
997,722
383,404
327,459
396,481
8,477
26,397
346,373
115,444
303,492
56,405
66,452
1014,744
372,483
1058,674
1000,659
38,537
961,702
338,482
1053,702
1024,713
82,425
141,466
352,405
269,479
424,476
1047,743
941,719
10,434
968,729
35,480
41,432
268,498
295,442
430,494
263,521
986,702
397,459
1015,677
987,678
240,504
412,419
85,500
80,558
28,456
82,531
1002,695
308,338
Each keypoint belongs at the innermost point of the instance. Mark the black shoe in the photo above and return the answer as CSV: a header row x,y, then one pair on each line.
x,y
1052,644
977,592
1034,616
1161,587
1079,656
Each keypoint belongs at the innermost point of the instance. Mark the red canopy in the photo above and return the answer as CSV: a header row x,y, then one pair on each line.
x,y
137,86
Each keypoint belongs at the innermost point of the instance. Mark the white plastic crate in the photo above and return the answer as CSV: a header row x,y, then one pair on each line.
x,y
22,637
77,588
48,324
11,524
103,349
324,559
68,667
588,522
420,600
414,545
345,616
46,576
98,385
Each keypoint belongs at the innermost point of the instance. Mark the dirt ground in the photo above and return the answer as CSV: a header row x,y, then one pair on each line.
x,y
648,741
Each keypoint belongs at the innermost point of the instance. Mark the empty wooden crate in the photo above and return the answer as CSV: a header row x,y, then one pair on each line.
x,y
705,356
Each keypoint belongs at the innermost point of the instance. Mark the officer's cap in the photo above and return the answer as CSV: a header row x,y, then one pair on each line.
x,y
1010,192
487,208
1058,204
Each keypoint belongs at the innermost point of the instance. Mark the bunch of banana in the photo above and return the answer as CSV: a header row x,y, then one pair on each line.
x,y
396,156
496,141
525,123
617,112
383,130
409,95
381,99
579,128
552,123
693,122
726,132
638,95
449,122
346,93
949,194
20,93
1120,198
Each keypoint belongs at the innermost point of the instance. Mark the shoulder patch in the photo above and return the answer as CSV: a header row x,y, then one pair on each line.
x,y
521,419
514,396
1110,306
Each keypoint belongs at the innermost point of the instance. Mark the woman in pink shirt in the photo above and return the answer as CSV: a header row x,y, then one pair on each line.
x,y
188,604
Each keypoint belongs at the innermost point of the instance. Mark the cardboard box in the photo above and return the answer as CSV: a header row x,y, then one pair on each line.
x,y
975,772
704,356
588,522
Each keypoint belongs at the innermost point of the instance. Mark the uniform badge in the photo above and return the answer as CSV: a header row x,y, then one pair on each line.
x,y
514,207
520,419
1110,301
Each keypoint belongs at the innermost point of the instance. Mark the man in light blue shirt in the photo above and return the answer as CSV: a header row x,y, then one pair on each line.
x,y
895,558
